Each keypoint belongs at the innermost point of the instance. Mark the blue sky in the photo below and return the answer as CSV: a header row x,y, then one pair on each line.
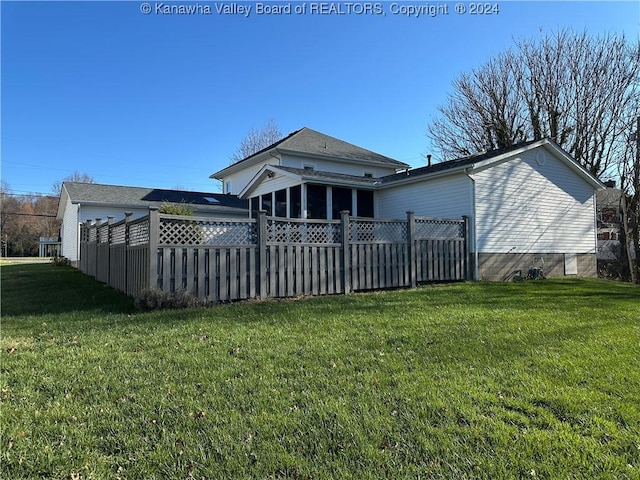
x,y
164,100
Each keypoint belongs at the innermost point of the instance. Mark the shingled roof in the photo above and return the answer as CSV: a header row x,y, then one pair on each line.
x,y
309,142
116,195
454,164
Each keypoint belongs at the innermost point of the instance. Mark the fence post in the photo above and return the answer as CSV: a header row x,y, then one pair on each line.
x,y
95,247
154,234
262,252
127,240
467,248
86,262
109,223
346,254
411,234
84,239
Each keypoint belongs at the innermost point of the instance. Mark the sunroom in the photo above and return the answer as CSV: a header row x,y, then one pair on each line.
x,y
288,192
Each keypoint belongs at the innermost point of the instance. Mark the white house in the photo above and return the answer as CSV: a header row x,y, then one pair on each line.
x,y
528,204
81,202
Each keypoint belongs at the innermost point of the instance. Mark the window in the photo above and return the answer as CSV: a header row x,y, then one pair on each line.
x,y
308,167
368,175
266,204
317,201
295,198
365,203
341,200
227,188
281,203
255,206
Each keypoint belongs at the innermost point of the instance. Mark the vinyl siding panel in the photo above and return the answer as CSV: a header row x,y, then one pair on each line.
x,y
276,183
241,179
69,232
89,212
534,203
336,167
446,197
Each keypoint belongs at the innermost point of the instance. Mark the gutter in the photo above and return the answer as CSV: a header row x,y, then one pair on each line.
x,y
408,178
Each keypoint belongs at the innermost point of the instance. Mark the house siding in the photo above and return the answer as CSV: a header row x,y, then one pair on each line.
x,y
336,166
69,232
94,212
448,197
274,184
534,203
240,179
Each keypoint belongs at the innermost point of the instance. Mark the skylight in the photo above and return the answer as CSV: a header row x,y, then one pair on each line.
x,y
212,200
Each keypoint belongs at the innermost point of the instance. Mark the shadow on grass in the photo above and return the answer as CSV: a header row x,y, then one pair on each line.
x,y
561,294
38,289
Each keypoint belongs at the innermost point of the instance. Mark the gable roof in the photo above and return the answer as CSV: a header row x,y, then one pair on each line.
x,y
141,197
310,143
486,159
311,176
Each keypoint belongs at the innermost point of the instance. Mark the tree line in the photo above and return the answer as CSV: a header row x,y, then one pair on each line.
x,y
24,218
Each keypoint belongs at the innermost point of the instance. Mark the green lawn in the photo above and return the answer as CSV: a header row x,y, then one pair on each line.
x,y
519,380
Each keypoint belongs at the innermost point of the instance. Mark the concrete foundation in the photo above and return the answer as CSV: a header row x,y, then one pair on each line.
x,y
505,266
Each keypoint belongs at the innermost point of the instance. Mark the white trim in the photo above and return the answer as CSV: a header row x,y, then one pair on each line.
x,y
261,175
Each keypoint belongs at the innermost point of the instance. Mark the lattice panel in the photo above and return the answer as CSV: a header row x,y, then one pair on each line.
x,y
282,231
103,234
93,234
139,233
199,232
438,229
377,231
118,234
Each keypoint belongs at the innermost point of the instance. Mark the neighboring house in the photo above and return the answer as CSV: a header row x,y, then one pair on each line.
x,y
527,204
81,202
609,217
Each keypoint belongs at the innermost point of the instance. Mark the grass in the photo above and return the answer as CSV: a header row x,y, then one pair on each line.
x,y
528,380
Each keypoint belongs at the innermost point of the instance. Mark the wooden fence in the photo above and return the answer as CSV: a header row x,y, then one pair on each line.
x,y
233,259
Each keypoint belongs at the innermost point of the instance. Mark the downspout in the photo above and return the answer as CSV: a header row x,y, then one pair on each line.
x,y
474,243
77,229
279,164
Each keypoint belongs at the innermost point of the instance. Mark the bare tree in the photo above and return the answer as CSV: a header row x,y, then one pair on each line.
x,y
629,173
256,140
484,112
76,176
574,88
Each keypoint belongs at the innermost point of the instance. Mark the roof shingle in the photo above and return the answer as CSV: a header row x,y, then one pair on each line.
x,y
94,193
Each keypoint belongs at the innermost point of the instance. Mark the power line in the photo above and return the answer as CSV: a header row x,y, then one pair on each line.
x,y
26,193
29,214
